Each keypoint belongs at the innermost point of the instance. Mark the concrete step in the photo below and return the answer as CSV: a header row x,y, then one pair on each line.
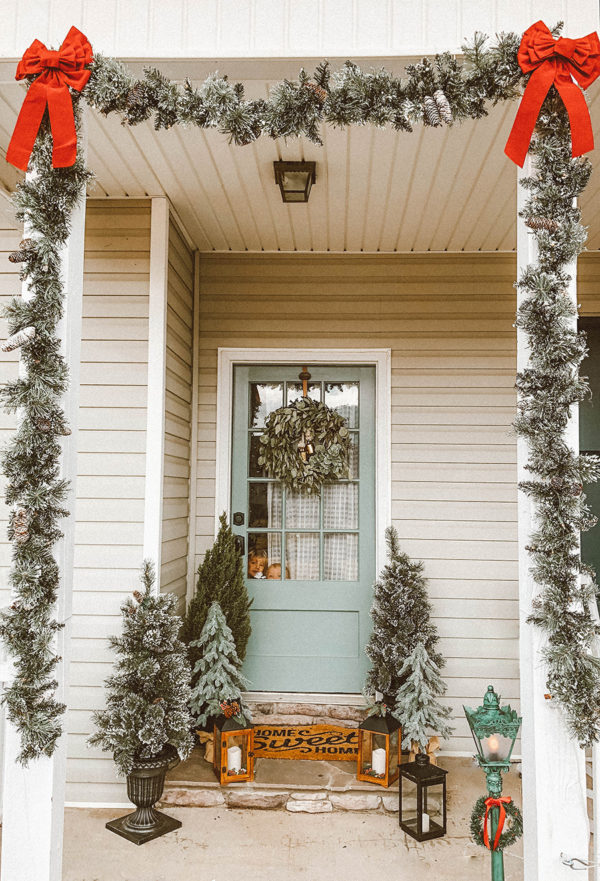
x,y
280,784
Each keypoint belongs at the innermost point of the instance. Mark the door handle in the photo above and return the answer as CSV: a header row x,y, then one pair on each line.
x,y
240,545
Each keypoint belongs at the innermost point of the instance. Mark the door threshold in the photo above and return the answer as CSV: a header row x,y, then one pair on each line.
x,y
305,697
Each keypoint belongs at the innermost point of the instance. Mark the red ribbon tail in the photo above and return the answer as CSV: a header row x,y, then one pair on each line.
x,y
531,103
582,135
62,123
27,127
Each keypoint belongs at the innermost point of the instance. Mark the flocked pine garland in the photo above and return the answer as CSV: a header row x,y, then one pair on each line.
x,y
35,490
548,387
434,92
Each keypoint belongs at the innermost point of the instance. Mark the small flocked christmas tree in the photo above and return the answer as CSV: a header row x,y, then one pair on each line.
x,y
221,580
148,695
417,706
217,670
401,614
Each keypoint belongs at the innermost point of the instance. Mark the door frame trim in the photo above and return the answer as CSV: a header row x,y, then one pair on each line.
x,y
381,359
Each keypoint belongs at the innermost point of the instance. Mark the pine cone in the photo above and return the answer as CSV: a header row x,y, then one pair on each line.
x,y
136,97
26,250
542,223
319,91
556,482
46,424
137,595
443,105
576,489
21,526
431,112
18,339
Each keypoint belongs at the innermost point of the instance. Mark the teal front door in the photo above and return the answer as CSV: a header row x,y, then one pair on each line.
x,y
309,560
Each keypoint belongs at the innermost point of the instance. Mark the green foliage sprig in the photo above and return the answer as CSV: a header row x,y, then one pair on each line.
x,y
548,387
316,423
513,830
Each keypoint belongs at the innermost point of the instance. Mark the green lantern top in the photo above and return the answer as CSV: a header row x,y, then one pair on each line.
x,y
494,729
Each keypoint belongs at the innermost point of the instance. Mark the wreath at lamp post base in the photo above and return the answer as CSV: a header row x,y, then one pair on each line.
x,y
508,835
145,785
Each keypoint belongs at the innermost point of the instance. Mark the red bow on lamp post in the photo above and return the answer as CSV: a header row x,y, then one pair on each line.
x,y
554,63
495,803
57,72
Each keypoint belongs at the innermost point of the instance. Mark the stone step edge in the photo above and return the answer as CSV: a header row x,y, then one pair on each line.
x,y
294,800
356,786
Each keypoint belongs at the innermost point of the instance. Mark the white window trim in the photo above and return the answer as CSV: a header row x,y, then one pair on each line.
x,y
381,359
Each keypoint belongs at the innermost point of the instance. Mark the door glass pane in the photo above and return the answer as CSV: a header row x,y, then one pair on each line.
x,y
340,556
301,511
264,506
264,398
340,506
254,469
294,391
353,457
343,397
302,556
264,548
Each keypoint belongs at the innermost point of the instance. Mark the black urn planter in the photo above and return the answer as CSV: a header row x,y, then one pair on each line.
x,y
145,786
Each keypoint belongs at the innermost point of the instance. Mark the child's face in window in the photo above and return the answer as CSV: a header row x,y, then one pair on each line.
x,y
256,566
274,571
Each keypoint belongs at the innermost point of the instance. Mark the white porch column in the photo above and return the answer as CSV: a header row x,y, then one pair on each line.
x,y
34,797
554,791
157,370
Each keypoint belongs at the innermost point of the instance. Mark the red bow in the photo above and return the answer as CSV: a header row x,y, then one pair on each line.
x,y
554,62
58,71
495,803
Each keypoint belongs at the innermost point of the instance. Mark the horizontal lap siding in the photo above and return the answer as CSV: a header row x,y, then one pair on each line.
x,y
10,285
111,469
448,320
178,416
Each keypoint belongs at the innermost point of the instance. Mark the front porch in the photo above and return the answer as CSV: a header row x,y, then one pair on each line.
x,y
402,265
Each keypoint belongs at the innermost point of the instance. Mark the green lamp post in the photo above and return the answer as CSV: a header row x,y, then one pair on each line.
x,y
494,729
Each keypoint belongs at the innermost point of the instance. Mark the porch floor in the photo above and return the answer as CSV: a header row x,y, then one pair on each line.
x,y
220,842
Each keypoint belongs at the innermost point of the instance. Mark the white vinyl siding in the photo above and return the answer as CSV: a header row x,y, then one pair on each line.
x,y
111,469
178,416
228,28
449,322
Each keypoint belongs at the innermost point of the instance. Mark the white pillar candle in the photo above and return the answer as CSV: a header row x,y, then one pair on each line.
x,y
425,827
234,759
378,761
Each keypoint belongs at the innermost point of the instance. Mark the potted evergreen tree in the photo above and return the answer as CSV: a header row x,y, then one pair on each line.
x,y
146,724
220,579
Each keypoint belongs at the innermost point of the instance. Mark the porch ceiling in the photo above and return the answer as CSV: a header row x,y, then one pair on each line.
x,y
447,189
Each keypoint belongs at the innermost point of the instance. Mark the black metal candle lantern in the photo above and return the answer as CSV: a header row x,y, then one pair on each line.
x,y
422,806
378,750
233,760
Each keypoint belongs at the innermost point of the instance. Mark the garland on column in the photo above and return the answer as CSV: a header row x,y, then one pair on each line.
x,y
434,92
31,462
548,388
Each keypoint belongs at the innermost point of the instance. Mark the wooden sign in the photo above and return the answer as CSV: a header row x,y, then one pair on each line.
x,y
325,742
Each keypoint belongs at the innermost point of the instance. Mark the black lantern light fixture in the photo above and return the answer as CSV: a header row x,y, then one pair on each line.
x,y
295,179
422,802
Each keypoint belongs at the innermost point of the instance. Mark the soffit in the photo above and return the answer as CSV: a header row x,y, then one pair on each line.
x,y
447,189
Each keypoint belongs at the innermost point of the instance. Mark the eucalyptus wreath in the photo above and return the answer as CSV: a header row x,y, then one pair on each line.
x,y
512,831
305,445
